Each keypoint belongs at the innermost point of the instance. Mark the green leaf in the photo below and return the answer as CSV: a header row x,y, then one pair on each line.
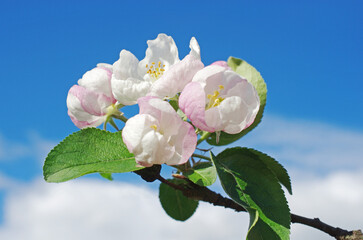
x,y
175,204
253,76
88,151
276,168
203,174
251,183
107,176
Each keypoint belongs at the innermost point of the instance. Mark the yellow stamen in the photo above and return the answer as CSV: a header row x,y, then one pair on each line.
x,y
215,100
155,71
154,127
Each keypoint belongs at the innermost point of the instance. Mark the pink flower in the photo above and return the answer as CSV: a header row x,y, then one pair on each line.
x,y
157,134
219,99
91,101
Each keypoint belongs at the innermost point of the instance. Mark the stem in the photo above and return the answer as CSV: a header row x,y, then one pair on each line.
x,y
200,193
163,180
113,124
316,223
204,136
201,156
121,117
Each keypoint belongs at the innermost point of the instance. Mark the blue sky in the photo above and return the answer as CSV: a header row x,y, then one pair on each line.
x,y
309,53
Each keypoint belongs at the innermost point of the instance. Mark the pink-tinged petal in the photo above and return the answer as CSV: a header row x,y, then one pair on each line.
x,y
91,102
107,67
162,49
177,77
213,119
155,149
233,115
210,78
185,143
148,145
246,91
234,101
98,80
162,111
158,135
192,103
222,64
135,128
84,124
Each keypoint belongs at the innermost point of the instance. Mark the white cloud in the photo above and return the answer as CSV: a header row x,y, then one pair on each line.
x,y
94,209
310,145
90,209
12,150
33,146
336,199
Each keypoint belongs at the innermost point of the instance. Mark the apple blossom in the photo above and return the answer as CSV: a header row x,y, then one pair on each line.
x,y
218,99
221,63
160,73
91,101
158,135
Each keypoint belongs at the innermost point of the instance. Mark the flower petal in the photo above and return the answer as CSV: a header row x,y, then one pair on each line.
x,y
234,113
93,121
90,101
161,49
162,111
98,80
128,91
222,64
213,118
126,66
177,77
194,48
233,101
185,143
149,146
192,103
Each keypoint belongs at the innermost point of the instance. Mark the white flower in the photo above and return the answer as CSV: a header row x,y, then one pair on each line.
x,y
218,99
158,135
91,101
160,73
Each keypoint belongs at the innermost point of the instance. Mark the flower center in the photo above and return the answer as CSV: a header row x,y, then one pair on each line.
x,y
155,71
215,100
156,129
112,109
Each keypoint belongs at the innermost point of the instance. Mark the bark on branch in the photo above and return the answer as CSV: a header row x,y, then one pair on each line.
x,y
196,192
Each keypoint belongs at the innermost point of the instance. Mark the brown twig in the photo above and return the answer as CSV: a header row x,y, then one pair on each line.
x,y
196,192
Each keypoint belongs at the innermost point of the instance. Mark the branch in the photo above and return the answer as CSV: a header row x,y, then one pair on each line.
x,y
196,192
205,194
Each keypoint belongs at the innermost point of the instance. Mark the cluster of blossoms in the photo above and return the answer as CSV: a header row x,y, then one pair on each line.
x,y
214,98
